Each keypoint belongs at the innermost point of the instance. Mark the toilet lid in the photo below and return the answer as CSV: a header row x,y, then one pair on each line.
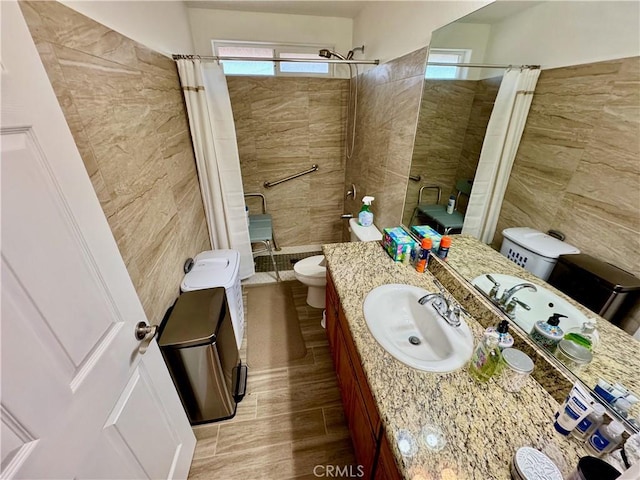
x,y
311,266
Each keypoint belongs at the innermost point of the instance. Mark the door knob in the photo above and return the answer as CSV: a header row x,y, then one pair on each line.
x,y
145,333
143,330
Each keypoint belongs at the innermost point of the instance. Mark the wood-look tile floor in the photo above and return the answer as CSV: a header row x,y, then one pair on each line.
x,y
290,421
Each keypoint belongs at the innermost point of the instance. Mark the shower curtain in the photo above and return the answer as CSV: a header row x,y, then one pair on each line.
x,y
499,149
214,141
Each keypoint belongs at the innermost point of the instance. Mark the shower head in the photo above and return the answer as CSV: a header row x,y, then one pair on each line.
x,y
326,53
353,50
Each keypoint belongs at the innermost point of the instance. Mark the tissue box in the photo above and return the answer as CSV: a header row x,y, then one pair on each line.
x,y
395,241
422,231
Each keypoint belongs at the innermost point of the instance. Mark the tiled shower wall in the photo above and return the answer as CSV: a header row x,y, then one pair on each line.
x,y
283,126
124,107
578,169
388,104
452,123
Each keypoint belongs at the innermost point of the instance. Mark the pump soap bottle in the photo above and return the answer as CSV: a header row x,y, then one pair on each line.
x,y
505,340
548,334
365,217
486,358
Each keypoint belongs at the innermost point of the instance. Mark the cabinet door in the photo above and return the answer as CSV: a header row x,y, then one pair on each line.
x,y
332,317
344,371
386,467
364,443
360,378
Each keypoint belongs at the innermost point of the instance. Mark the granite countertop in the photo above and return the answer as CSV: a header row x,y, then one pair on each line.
x,y
482,424
617,358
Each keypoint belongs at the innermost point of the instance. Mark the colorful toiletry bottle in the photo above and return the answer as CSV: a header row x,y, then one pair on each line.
x,y
423,257
586,335
451,205
605,438
365,217
443,249
589,424
505,340
485,359
548,333
406,256
575,408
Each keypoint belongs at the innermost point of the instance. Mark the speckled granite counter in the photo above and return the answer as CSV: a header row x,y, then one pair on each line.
x,y
482,424
618,356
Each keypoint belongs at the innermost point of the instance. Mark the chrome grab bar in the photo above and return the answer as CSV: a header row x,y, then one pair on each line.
x,y
290,177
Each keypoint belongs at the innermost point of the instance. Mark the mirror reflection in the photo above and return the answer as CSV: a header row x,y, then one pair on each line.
x,y
573,171
452,122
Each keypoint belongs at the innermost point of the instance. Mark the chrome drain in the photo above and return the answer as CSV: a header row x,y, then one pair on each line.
x,y
413,340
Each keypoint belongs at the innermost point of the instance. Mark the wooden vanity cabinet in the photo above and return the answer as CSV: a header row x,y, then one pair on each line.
x,y
369,442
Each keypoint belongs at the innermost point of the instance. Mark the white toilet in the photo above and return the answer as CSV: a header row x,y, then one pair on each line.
x,y
312,270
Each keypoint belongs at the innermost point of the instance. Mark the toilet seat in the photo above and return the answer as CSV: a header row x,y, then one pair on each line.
x,y
311,267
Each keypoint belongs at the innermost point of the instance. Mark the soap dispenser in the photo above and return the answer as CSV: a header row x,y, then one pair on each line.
x,y
505,340
486,358
586,335
365,217
548,334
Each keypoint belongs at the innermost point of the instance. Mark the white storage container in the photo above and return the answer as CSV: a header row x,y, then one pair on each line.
x,y
219,268
533,250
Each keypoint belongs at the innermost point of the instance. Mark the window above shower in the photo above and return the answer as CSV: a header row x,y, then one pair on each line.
x,y
269,51
448,55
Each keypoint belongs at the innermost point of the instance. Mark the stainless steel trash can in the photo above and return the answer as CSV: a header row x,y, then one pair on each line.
x,y
602,287
198,344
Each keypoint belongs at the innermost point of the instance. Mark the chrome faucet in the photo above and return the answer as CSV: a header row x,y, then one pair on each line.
x,y
448,310
506,296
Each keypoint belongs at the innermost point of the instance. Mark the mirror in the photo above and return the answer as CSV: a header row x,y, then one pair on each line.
x,y
570,171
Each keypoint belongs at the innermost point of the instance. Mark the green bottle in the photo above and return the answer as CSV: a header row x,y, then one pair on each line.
x,y
486,358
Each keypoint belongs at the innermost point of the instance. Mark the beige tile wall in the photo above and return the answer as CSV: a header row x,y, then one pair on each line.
x,y
124,107
451,126
388,104
285,125
578,166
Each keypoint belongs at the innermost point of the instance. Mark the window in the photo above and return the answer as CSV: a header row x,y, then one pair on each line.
x,y
442,55
270,68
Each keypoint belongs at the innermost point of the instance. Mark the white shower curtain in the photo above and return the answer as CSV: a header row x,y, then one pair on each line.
x,y
499,149
214,140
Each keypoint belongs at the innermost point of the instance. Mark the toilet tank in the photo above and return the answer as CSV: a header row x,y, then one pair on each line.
x,y
533,250
363,234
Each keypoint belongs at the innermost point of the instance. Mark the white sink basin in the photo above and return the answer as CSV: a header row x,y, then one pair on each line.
x,y
543,303
393,315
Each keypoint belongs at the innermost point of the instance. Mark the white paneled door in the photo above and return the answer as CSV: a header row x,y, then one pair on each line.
x,y
79,399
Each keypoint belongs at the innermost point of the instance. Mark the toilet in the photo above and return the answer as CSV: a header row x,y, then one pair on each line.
x,y
533,250
312,270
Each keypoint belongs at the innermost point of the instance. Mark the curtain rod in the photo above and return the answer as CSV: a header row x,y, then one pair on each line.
x,y
482,65
268,59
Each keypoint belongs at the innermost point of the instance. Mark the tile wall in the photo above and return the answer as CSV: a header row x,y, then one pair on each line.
x,y
453,120
124,107
578,166
283,126
388,104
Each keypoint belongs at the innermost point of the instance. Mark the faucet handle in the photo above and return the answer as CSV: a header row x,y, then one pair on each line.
x,y
437,283
493,293
510,308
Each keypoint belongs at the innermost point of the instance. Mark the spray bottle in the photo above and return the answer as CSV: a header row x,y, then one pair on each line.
x,y
365,217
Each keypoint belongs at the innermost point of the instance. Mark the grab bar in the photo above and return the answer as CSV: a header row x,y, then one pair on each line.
x,y
290,177
428,187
